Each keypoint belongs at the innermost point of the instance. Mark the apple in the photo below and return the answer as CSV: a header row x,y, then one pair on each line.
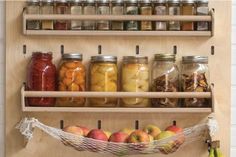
x,y
73,130
151,138
174,128
119,137
85,130
140,140
152,130
97,135
108,134
169,145
127,130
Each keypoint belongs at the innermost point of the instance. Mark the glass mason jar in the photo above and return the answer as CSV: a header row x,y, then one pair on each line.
x,y
131,9
135,78
89,9
165,78
103,78
47,8
195,78
71,78
76,9
117,8
160,9
61,7
202,9
103,8
146,9
174,9
33,7
41,76
188,8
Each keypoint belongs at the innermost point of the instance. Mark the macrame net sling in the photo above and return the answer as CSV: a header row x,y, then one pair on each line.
x,y
80,143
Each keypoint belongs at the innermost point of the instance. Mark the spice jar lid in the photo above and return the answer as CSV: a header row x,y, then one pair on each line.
x,y
165,57
32,1
117,1
159,1
146,1
76,1
194,59
47,1
132,1
103,1
136,59
61,1
77,56
89,1
188,1
103,58
173,1
202,1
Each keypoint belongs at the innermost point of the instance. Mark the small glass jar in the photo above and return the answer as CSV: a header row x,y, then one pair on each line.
x,y
89,9
146,9
103,78
71,78
76,9
61,7
103,8
131,9
135,78
165,78
33,7
41,76
195,78
117,8
160,9
202,9
174,9
188,8
47,8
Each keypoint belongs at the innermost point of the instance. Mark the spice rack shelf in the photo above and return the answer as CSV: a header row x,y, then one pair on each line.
x,y
209,18
209,95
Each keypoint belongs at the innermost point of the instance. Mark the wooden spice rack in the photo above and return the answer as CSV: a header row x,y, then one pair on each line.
x,y
209,18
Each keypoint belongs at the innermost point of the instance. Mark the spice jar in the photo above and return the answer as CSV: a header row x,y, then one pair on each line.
x,y
41,76
47,8
71,78
61,8
103,9
165,76
89,9
135,78
76,9
160,9
174,9
33,7
188,8
195,78
131,9
202,9
117,8
103,78
146,9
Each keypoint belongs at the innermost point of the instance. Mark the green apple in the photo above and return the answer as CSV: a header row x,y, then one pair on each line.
x,y
152,130
168,146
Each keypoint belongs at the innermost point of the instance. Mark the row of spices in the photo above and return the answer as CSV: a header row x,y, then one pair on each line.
x,y
118,7
103,77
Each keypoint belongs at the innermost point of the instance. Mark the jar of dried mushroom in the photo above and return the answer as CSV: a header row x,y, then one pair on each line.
x,y
131,9
146,9
160,9
76,9
103,9
33,7
61,7
71,78
135,78
195,78
174,9
202,9
103,78
89,9
188,8
165,76
117,8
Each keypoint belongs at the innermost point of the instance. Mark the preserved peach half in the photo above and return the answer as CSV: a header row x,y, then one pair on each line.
x,y
67,81
73,87
70,73
97,88
62,72
72,65
111,86
62,87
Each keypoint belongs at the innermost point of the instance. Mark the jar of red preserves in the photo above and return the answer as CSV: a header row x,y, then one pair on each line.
x,y
41,76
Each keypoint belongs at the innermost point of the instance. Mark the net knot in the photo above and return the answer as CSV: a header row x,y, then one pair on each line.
x,y
26,127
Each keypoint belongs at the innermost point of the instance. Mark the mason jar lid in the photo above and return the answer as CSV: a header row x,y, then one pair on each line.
x,y
202,1
165,57
194,59
173,1
188,1
77,56
159,1
135,59
104,58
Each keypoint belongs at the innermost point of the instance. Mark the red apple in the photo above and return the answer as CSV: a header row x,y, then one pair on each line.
x,y
85,130
168,146
139,139
73,130
174,128
97,135
119,137
152,130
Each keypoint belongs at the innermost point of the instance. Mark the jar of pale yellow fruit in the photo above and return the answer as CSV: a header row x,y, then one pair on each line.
x,y
103,78
71,78
135,78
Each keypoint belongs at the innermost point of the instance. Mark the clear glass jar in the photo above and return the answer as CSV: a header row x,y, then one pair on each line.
x,y
202,9
131,9
103,78
165,78
103,9
47,8
61,7
195,78
146,9
174,9
135,78
117,8
188,8
160,9
41,76
76,9
89,9
33,7
71,78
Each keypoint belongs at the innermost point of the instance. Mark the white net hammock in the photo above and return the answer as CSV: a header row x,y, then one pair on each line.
x,y
80,143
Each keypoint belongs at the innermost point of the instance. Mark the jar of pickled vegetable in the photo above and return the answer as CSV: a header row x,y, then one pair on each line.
x,y
165,76
135,78
103,78
195,78
71,78
41,76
